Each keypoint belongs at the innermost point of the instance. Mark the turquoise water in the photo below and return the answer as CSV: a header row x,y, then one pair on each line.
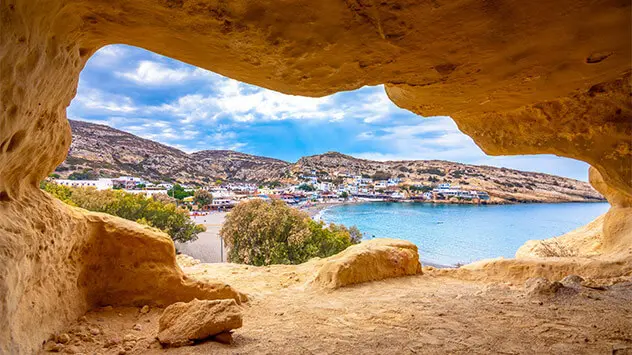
x,y
451,234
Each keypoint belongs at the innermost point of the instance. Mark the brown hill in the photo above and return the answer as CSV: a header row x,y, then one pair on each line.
x,y
105,151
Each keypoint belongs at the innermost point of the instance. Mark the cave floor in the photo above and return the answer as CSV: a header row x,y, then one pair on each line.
x,y
410,315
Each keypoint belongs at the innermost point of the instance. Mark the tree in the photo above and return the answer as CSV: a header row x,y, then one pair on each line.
x,y
306,187
356,235
262,233
163,198
178,192
344,195
202,198
87,174
167,217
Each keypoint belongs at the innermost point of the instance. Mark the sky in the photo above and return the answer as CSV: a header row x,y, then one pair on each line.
x,y
193,109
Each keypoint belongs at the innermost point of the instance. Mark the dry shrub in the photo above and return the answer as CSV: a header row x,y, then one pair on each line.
x,y
551,248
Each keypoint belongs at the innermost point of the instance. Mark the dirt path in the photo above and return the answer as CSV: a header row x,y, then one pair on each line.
x,y
423,314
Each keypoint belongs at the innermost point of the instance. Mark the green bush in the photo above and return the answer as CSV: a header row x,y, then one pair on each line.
x,y
263,233
178,192
167,217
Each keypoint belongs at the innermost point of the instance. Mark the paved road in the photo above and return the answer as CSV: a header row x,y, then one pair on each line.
x,y
208,246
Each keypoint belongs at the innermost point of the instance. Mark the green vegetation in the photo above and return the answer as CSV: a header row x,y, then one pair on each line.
x,y
87,174
178,192
431,171
344,195
273,184
263,233
156,213
420,188
457,174
306,187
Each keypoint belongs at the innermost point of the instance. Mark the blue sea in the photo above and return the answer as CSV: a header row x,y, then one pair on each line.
x,y
451,234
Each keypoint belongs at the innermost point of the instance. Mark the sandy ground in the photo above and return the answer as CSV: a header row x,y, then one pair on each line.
x,y
425,314
208,247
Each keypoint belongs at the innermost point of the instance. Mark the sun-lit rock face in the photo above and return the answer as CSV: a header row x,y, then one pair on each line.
x,y
520,77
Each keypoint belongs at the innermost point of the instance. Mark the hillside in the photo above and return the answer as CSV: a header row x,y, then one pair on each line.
x,y
509,184
111,152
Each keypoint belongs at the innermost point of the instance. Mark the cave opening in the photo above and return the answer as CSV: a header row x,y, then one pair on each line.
x,y
194,110
519,78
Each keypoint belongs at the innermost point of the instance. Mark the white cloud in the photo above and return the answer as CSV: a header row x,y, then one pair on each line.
x,y
154,73
246,103
90,99
376,106
107,56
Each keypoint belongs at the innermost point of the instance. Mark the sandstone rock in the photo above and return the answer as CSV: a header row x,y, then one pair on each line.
x,y
112,342
63,338
572,281
182,323
94,272
71,349
94,331
186,260
540,286
553,94
144,310
137,327
371,260
53,347
224,338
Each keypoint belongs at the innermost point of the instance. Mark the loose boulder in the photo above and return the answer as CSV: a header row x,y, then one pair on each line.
x,y
372,260
183,323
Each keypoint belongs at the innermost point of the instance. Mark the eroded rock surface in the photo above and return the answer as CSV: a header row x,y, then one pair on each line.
x,y
182,323
57,264
519,77
371,260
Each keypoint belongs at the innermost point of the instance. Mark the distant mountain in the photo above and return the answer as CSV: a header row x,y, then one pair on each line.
x,y
110,152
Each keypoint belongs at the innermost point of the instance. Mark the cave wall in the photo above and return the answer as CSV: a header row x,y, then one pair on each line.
x,y
519,77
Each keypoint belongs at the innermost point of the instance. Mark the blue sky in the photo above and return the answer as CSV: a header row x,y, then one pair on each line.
x,y
192,109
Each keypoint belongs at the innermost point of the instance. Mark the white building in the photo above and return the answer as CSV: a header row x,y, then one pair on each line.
x,y
165,185
393,181
325,186
101,184
381,184
148,193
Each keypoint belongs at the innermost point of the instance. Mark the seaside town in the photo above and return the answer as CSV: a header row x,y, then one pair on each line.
x,y
310,190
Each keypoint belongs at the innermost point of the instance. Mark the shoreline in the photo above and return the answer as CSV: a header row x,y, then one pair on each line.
x,y
317,208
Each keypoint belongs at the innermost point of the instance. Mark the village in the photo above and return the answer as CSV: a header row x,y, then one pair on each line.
x,y
310,189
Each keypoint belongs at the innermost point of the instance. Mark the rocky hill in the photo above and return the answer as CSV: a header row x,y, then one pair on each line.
x,y
105,151
111,152
507,184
